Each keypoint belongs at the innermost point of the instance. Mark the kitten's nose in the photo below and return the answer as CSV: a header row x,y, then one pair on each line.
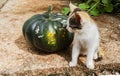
x,y
72,26
67,27
75,26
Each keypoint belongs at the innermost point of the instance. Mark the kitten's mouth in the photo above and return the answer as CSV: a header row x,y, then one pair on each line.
x,y
75,27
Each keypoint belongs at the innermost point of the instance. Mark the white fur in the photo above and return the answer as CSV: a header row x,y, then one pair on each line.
x,y
87,38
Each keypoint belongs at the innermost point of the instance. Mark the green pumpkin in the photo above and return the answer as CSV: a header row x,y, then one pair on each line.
x,y
47,31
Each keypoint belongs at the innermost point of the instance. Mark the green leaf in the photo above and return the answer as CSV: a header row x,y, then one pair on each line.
x,y
94,12
83,6
76,4
65,10
109,8
106,1
96,0
88,1
101,9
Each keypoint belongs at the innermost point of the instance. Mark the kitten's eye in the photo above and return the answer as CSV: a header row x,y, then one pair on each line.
x,y
72,20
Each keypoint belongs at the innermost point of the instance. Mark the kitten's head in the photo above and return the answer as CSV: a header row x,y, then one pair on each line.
x,y
77,18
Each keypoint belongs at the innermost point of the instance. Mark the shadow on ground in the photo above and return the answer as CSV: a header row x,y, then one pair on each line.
x,y
25,46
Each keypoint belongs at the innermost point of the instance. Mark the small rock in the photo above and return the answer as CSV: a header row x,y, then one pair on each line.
x,y
117,73
106,72
115,36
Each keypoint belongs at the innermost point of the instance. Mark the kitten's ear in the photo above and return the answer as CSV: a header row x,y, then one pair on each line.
x,y
72,7
78,17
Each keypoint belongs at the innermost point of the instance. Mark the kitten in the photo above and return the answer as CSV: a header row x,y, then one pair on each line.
x,y
86,36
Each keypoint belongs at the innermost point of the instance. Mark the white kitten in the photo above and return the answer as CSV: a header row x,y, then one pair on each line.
x,y
86,36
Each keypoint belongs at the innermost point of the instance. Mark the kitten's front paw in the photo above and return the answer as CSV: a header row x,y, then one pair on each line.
x,y
72,64
90,65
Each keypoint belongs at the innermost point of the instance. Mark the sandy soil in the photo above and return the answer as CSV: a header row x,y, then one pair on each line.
x,y
17,55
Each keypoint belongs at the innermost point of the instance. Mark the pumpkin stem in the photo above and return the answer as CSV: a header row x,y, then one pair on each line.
x,y
49,9
47,14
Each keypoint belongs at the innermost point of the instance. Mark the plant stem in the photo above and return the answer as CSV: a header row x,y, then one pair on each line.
x,y
50,9
102,4
93,6
88,1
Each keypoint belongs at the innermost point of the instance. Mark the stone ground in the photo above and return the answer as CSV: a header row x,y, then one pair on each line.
x,y
18,58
